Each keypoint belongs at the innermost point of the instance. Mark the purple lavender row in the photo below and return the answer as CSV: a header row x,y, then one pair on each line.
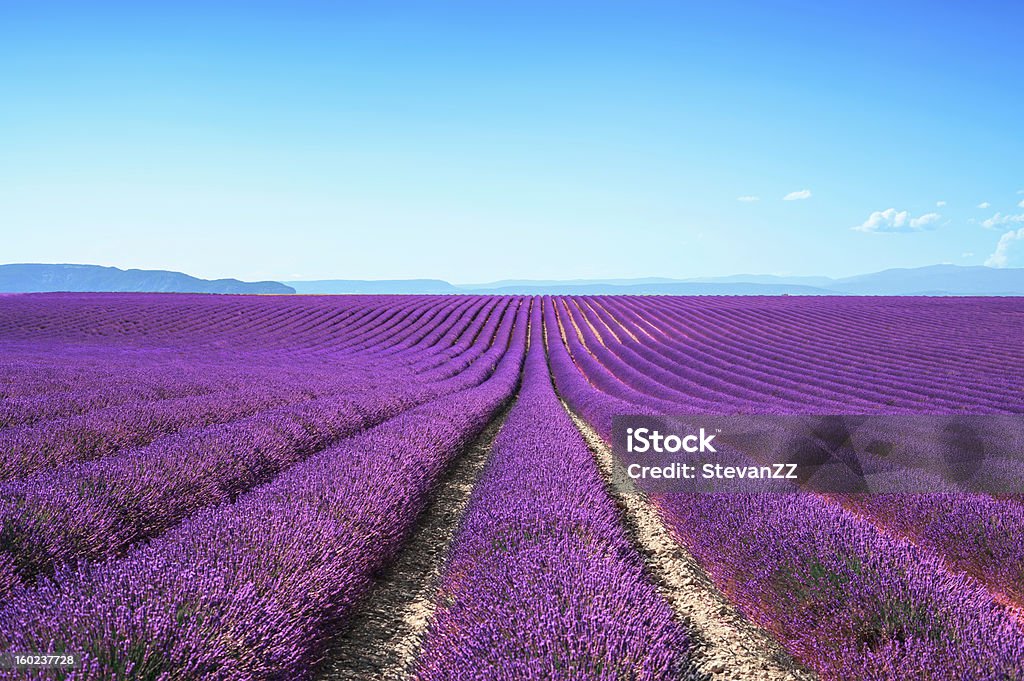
x,y
457,340
758,355
93,376
399,323
721,362
463,354
89,378
598,373
101,433
49,390
96,509
853,328
162,375
849,601
701,372
28,410
439,332
845,599
543,582
645,376
973,533
197,322
798,340
253,590
970,532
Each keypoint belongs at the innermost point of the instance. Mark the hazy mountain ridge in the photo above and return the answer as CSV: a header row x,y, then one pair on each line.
x,y
934,280
41,278
374,286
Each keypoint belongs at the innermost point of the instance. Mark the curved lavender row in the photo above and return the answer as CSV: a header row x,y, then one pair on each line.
x,y
452,346
432,335
101,433
404,321
418,323
795,363
256,322
645,375
584,342
852,325
735,362
248,591
696,370
587,398
85,380
405,325
395,324
970,532
685,373
897,373
132,384
543,581
97,509
464,353
845,599
597,373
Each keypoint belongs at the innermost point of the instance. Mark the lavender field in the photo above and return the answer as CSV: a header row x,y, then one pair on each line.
x,y
363,487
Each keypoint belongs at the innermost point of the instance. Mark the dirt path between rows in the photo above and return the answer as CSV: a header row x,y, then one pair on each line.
x,y
727,645
381,642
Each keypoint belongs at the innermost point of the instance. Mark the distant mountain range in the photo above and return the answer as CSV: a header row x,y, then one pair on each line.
x,y
37,278
375,286
935,280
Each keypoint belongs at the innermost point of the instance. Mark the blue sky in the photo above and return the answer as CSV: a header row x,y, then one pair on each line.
x,y
474,141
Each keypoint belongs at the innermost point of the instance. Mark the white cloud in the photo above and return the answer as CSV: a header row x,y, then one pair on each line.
x,y
1020,191
892,220
797,196
967,254
999,220
1021,204
748,199
924,220
984,204
1001,256
940,204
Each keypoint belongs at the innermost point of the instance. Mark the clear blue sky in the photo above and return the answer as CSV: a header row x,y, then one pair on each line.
x,y
474,141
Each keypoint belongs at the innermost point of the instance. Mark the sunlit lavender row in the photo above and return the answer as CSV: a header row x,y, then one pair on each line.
x,y
213,487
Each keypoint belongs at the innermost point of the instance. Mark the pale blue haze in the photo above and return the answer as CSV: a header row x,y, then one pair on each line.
x,y
474,141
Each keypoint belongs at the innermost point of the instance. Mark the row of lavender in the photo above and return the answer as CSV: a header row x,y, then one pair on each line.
x,y
975,533
243,580
920,600
251,589
266,530
34,389
96,508
126,367
543,582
